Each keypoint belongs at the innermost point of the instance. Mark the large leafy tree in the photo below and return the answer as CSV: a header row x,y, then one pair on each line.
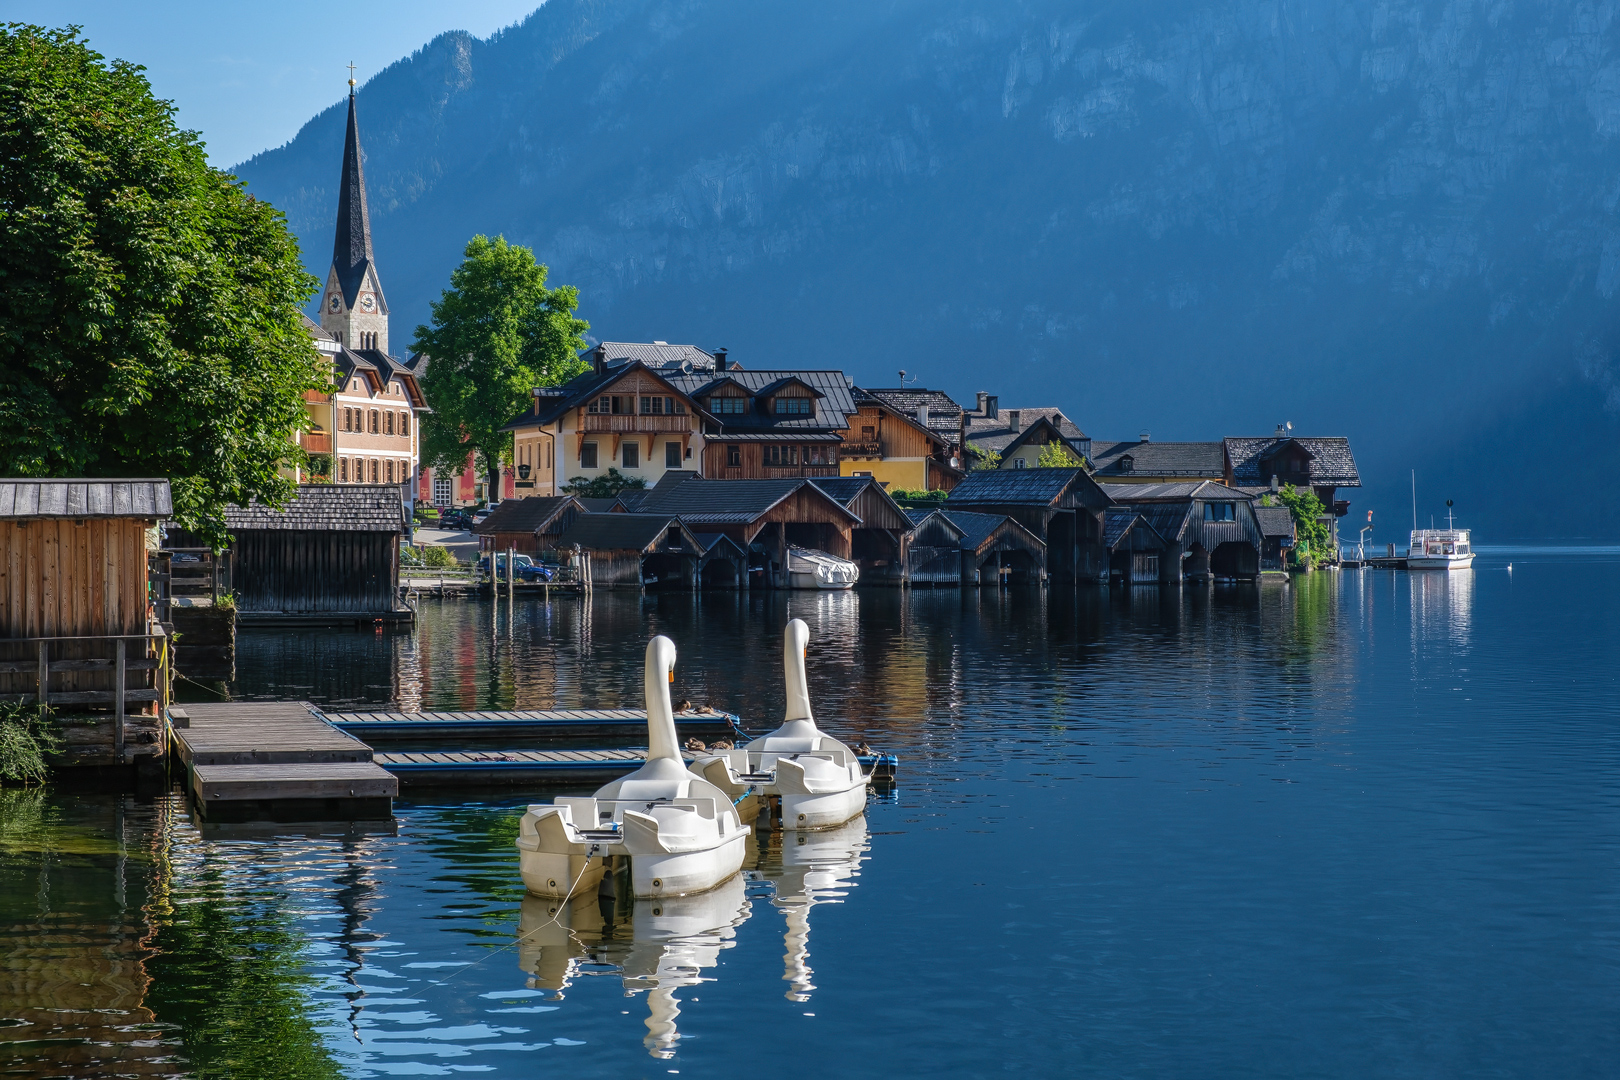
x,y
497,333
150,309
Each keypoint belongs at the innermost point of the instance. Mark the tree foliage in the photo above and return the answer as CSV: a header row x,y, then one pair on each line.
x,y
1057,455
1311,535
497,332
605,486
150,309
983,457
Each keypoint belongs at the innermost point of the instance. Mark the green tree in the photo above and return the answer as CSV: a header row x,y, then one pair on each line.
x,y
150,309
605,486
984,458
497,332
1312,537
1057,455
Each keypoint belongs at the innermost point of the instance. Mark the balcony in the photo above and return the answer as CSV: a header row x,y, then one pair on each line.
x,y
318,442
635,423
861,450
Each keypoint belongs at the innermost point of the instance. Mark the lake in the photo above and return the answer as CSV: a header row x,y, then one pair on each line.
x,y
1365,823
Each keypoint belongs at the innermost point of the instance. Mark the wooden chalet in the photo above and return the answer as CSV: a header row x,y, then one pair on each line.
x,y
1063,508
959,547
1208,529
878,542
1142,461
769,424
78,630
632,550
331,556
1135,549
764,517
906,448
1324,465
530,525
1019,436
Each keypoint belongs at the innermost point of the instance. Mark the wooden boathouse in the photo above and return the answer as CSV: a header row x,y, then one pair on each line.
x,y
877,543
1063,508
1135,549
330,557
628,550
1209,529
78,630
959,547
530,525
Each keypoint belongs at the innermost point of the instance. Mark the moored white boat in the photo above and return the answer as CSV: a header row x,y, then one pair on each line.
x,y
817,778
810,569
680,833
1439,549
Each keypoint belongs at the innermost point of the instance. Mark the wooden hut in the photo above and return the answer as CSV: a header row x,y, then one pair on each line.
x,y
330,557
629,550
933,549
1135,549
1063,508
531,525
877,542
1209,529
724,564
1277,535
77,629
960,547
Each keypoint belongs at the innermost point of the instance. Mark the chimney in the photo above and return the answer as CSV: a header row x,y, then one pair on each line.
x,y
922,415
992,406
601,358
720,361
982,397
1273,481
1014,416
1281,431
1145,436
535,393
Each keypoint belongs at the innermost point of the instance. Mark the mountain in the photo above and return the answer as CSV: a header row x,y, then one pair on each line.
x,y
1394,221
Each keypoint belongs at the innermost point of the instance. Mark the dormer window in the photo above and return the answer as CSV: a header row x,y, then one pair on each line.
x,y
793,406
1127,463
730,405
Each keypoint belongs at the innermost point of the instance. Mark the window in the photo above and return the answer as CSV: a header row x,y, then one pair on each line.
x,y
1127,463
735,406
652,406
672,455
587,456
599,405
868,434
734,457
441,492
375,420
1020,463
388,420
792,406
816,455
548,455
376,474
777,454
343,470
1220,511
632,455
405,423
388,470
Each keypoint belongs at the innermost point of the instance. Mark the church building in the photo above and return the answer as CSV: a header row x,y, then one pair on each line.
x,y
367,431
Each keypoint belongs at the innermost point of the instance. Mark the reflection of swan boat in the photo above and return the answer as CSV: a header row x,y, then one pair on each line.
x,y
679,833
656,945
816,869
810,569
817,778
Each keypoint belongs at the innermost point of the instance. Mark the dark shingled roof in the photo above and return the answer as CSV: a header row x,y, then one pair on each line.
x,y
526,515
617,532
1117,522
996,434
1332,463
709,541
351,248
1275,520
944,415
976,528
833,407
1202,460
1193,489
326,508
846,489
26,498
599,506
1035,487
735,502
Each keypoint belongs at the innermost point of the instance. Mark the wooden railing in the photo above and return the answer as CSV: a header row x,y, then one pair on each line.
x,y
861,449
318,442
632,423
198,572
53,656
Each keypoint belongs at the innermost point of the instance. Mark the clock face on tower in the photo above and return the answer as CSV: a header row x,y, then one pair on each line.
x,y
334,303
368,302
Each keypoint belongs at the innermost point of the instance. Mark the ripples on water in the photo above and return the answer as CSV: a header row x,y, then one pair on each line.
x,y
1362,825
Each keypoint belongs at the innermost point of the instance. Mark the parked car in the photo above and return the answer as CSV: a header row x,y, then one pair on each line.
x,y
455,519
527,568
480,515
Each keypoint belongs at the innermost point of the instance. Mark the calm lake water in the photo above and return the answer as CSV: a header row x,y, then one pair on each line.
x,y
1365,824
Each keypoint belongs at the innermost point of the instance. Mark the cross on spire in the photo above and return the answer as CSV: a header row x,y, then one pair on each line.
x,y
351,78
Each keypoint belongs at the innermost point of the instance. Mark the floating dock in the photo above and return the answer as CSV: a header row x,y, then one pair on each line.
x,y
451,768
278,761
429,729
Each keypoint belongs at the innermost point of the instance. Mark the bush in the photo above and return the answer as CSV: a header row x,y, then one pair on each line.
x,y
28,735
918,498
438,557
1312,538
605,486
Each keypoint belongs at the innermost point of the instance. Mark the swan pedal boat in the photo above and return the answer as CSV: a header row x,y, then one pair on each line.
x,y
680,833
818,779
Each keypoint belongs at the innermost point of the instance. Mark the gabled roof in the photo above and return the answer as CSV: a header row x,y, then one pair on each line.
x,y
772,388
1004,487
623,532
1332,463
530,514
833,406
1194,489
977,528
846,488
1194,460
920,516
351,247
995,433
1118,521
944,415
326,508
377,367
75,498
1275,520
581,388
731,502
599,506
708,541
658,355
1046,424
880,505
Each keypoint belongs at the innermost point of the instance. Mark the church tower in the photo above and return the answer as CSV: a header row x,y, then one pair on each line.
x,y
352,307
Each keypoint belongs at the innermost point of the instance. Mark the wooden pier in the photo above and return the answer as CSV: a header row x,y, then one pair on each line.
x,y
425,729
278,761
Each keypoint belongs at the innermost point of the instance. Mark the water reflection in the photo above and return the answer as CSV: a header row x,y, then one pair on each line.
x,y
657,946
1442,605
810,868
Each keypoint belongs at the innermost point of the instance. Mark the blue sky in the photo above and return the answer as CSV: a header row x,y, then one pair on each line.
x,y
248,75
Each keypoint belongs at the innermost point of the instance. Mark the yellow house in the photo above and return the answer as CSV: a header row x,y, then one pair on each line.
x,y
900,448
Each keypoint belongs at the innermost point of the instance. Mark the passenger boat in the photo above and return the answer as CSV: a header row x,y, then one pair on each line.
x,y
679,833
1439,549
810,569
815,780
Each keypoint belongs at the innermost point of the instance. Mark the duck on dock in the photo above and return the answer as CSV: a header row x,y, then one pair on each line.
x,y
817,778
680,833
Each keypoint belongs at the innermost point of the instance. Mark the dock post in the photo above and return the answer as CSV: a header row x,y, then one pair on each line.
x,y
44,676
118,703
511,573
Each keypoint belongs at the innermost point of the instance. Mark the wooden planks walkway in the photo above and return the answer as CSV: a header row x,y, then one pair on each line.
x,y
457,768
416,729
276,760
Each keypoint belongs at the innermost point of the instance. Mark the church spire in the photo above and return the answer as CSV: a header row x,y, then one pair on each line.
x,y
354,307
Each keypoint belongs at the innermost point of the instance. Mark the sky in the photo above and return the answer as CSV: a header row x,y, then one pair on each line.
x,y
248,76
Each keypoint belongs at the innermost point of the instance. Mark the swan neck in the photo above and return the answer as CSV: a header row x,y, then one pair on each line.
x,y
798,690
661,740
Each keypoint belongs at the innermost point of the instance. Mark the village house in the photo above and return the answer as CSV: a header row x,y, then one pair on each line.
x,y
1021,436
769,424
906,439
1324,465
1143,461
1063,508
1208,529
367,430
